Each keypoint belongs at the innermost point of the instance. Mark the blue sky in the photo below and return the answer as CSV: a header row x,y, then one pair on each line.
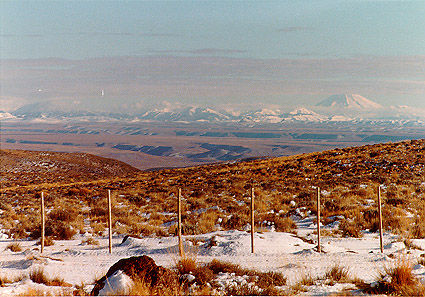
x,y
310,34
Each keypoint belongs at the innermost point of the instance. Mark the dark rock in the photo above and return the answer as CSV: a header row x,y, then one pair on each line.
x,y
141,268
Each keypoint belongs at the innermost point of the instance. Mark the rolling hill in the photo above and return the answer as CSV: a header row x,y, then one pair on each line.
x,y
19,167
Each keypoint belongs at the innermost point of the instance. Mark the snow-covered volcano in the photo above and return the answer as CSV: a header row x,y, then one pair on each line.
x,y
349,101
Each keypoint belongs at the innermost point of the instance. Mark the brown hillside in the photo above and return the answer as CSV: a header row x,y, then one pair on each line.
x,y
19,167
221,193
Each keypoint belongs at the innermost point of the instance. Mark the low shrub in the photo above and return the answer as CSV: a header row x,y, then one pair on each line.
x,y
57,230
236,222
284,224
350,229
63,214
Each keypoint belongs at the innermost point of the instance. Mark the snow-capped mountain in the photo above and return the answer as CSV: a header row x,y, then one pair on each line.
x,y
304,115
262,116
5,115
350,101
188,114
335,109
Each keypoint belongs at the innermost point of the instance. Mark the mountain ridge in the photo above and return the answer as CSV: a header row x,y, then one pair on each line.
x,y
336,108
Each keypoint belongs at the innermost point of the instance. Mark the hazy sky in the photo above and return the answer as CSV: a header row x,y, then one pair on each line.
x,y
282,52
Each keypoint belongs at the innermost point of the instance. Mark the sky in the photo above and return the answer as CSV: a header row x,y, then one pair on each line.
x,y
211,52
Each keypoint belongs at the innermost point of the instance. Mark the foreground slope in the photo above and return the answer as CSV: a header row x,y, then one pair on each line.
x,y
216,201
348,178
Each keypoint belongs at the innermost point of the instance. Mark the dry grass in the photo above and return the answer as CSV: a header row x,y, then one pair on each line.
x,y
14,247
337,274
140,288
187,264
39,276
334,274
281,185
399,280
262,283
40,292
350,229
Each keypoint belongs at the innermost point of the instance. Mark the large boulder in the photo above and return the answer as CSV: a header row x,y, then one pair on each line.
x,y
122,276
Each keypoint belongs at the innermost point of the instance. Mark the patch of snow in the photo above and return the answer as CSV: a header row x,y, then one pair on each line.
x,y
117,283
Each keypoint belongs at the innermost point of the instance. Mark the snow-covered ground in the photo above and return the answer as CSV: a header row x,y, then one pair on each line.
x,y
274,251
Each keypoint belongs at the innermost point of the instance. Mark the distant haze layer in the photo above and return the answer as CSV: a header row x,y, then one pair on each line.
x,y
121,84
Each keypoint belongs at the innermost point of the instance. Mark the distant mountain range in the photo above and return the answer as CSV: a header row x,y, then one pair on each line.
x,y
336,108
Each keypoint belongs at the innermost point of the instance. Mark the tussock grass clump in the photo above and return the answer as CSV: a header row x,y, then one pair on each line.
x,y
307,279
63,213
398,280
337,274
14,247
218,266
271,279
141,288
186,264
334,274
39,276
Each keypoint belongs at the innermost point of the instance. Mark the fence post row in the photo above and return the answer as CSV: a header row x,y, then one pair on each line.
x,y
319,247
179,229
110,221
252,220
43,222
179,226
381,245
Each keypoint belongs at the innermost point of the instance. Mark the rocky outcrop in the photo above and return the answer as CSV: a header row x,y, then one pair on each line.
x,y
141,268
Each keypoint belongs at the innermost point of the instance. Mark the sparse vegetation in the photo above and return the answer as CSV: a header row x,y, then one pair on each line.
x,y
216,197
14,247
220,197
